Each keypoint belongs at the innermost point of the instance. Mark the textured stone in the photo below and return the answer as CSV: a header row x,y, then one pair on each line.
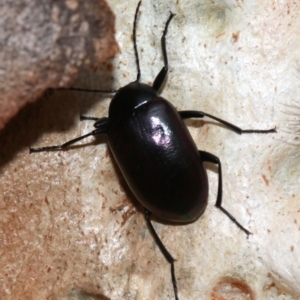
x,y
69,228
45,43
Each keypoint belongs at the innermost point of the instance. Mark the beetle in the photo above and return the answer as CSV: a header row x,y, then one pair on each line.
x,y
155,151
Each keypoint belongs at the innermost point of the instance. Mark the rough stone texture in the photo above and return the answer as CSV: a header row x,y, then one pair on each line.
x,y
44,43
69,228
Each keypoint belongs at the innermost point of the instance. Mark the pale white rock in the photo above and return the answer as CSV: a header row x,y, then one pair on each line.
x,y
69,227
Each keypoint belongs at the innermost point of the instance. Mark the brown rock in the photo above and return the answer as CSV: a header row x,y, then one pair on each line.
x,y
45,43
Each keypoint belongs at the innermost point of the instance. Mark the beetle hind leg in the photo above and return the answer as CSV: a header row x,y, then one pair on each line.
x,y
164,251
215,160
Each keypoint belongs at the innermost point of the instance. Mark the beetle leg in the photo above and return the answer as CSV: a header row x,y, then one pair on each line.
x,y
134,42
82,118
185,114
100,122
164,251
111,91
100,128
205,156
160,78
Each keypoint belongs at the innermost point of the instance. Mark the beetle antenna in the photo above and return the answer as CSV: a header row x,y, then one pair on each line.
x,y
134,43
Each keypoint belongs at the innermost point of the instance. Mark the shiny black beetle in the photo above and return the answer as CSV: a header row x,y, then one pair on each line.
x,y
156,153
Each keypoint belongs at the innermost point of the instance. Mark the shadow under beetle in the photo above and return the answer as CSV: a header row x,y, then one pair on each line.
x,y
155,151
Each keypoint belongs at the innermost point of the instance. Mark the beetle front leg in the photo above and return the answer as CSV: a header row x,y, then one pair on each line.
x,y
160,78
84,118
164,251
187,114
205,156
100,125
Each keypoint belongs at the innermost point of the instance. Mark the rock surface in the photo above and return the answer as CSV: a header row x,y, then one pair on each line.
x,y
45,43
69,228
